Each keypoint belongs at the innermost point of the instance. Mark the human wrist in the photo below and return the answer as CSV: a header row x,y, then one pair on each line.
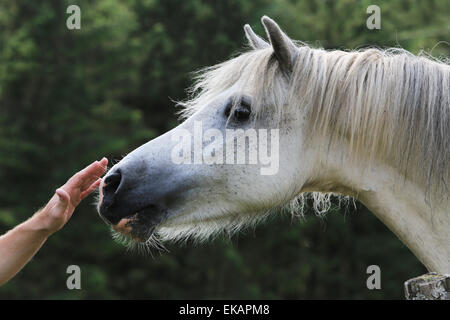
x,y
39,223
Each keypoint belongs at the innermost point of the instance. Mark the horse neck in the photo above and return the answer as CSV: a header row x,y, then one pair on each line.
x,y
423,226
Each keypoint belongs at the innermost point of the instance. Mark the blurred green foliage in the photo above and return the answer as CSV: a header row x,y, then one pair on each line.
x,y
68,97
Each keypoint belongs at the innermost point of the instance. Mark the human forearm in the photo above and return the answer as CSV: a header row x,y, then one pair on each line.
x,y
20,244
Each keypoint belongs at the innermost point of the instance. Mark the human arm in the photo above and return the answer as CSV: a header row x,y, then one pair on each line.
x,y
20,244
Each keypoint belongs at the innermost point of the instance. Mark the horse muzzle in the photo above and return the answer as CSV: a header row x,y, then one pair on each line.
x,y
130,206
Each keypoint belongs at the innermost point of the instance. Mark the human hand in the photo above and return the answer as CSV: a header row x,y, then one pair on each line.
x,y
61,206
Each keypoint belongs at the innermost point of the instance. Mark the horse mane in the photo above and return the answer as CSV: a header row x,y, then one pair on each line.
x,y
388,105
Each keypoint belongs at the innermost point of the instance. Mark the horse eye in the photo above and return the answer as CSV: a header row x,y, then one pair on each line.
x,y
241,113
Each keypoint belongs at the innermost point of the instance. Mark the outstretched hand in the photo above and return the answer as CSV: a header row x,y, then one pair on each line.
x,y
61,206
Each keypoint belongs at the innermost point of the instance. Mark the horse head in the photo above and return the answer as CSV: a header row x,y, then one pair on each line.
x,y
233,159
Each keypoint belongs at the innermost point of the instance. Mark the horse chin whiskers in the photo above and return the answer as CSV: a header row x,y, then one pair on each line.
x,y
208,229
145,248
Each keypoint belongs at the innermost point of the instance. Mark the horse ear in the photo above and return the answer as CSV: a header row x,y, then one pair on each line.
x,y
254,40
283,47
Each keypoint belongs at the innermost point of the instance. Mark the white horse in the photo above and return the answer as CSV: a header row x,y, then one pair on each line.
x,y
369,124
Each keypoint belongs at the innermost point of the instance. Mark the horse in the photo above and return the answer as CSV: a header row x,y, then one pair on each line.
x,y
371,124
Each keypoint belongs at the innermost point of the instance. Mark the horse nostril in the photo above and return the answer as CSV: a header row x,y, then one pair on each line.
x,y
112,182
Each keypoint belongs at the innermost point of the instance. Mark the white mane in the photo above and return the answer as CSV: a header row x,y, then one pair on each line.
x,y
388,105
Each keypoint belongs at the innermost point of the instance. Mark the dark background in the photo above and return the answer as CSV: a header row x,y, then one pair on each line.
x,y
68,97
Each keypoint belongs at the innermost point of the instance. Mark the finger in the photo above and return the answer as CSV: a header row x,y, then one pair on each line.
x,y
77,179
91,172
104,163
88,181
93,186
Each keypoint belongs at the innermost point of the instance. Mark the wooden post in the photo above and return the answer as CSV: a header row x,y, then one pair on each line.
x,y
430,286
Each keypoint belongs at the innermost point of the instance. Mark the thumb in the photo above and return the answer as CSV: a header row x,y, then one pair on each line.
x,y
64,200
